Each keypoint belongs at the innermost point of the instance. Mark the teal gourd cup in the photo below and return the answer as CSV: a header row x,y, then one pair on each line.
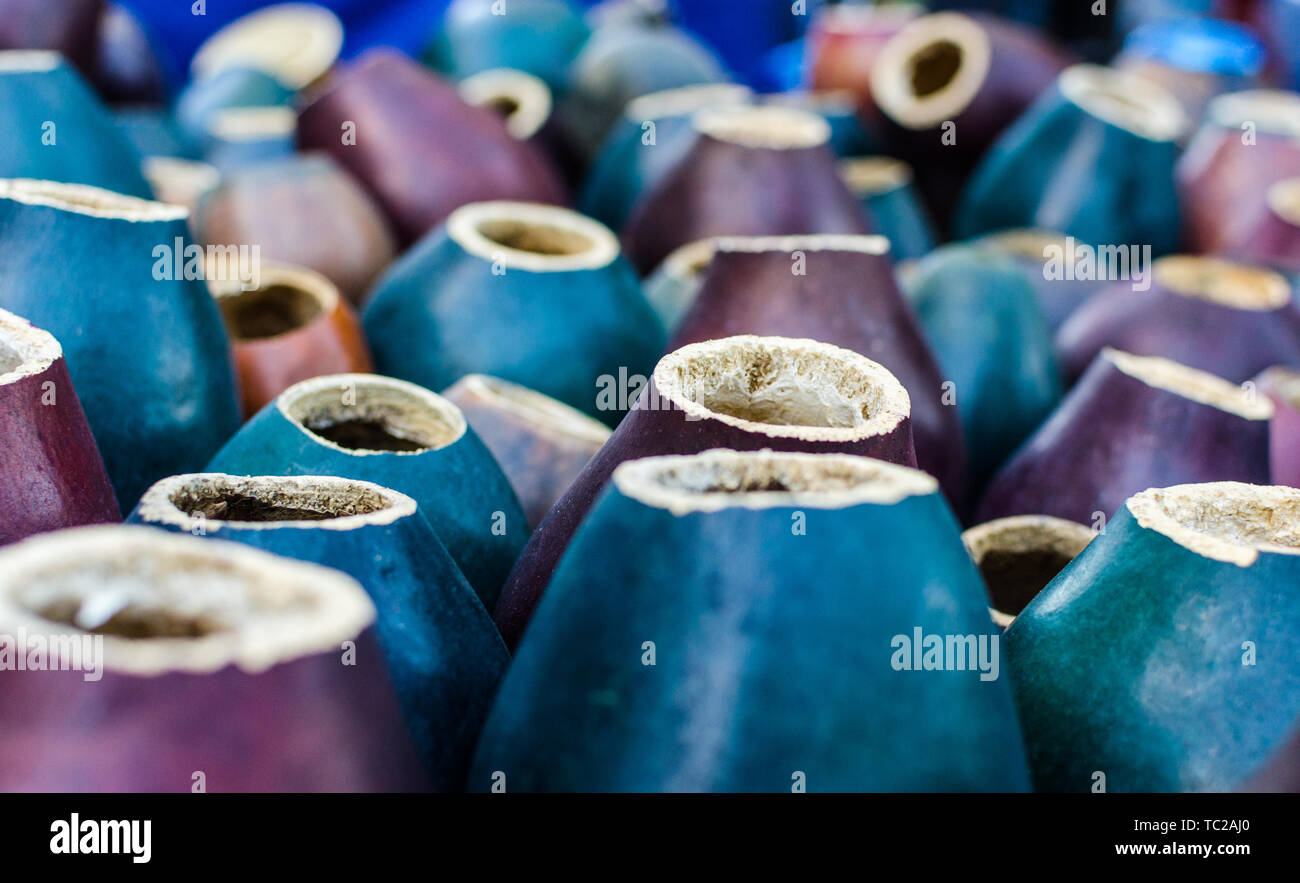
x,y
443,651
398,436
111,277
58,130
1138,662
540,37
884,187
1120,134
533,294
652,135
983,322
202,99
713,628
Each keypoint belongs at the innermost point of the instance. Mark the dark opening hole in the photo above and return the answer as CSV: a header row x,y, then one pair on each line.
x,y
363,435
934,67
504,105
538,238
1014,578
268,312
234,506
135,622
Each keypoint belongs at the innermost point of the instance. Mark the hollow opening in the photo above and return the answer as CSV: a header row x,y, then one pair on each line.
x,y
271,501
721,478
504,106
742,476
782,382
135,621
361,434
1222,282
1018,556
1191,383
364,413
537,238
268,312
934,67
1015,577
170,602
1229,521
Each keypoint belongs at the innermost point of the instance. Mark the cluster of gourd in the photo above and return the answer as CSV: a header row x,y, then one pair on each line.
x,y
596,400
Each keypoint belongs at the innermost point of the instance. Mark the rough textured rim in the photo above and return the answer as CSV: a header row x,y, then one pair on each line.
x,y
261,40
1223,498
685,100
315,492
845,481
86,200
1025,533
1190,383
894,403
763,127
463,228
1284,200
252,123
1271,110
184,179
690,262
1024,242
272,274
1124,99
854,242
35,348
872,175
531,95
341,608
29,61
541,411
1223,282
891,73
378,388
